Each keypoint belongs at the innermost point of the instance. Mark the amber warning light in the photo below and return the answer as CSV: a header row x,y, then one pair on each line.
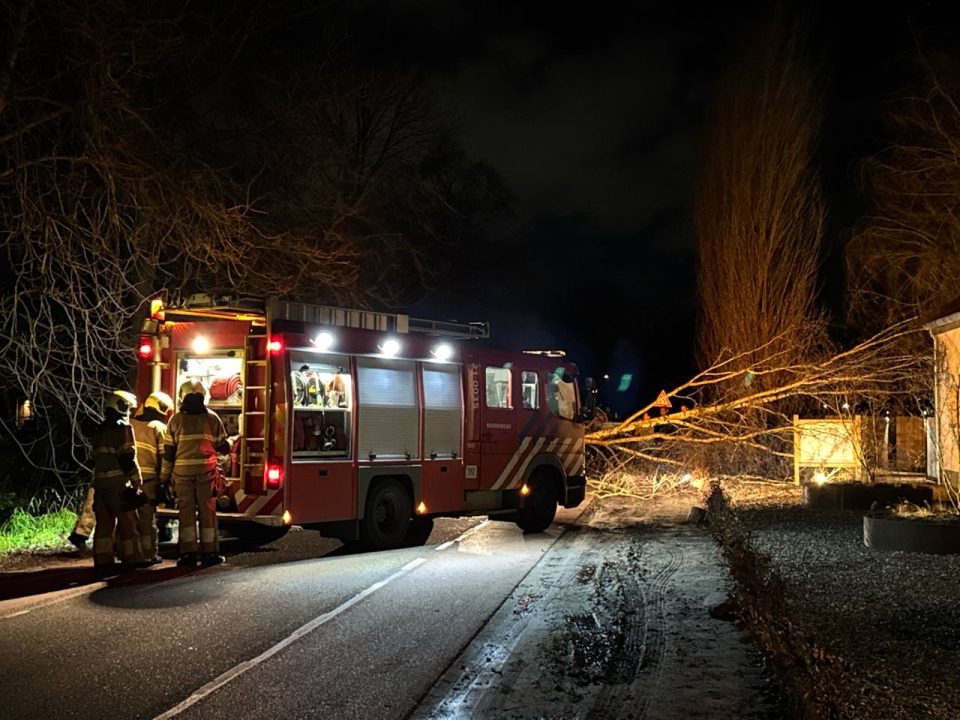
x,y
145,348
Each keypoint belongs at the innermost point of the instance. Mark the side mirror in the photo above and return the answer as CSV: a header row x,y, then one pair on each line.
x,y
588,409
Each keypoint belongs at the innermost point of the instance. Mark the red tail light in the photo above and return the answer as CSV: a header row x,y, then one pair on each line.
x,y
145,349
275,345
274,475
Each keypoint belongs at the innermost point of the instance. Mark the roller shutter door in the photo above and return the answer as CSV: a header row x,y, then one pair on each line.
x,y
442,411
389,416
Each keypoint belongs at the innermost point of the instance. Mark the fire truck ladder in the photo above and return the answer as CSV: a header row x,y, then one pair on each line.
x,y
256,401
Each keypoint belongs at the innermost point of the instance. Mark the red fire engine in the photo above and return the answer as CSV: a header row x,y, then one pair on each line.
x,y
366,425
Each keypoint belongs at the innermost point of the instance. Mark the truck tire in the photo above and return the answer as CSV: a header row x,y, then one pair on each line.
x,y
539,507
387,516
419,532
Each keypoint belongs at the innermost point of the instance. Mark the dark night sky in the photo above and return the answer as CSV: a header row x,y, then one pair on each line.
x,y
594,119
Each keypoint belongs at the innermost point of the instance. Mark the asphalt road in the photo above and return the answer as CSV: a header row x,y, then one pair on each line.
x,y
344,635
605,619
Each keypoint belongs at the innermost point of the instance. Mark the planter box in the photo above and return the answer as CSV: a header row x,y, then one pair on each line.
x,y
886,532
861,496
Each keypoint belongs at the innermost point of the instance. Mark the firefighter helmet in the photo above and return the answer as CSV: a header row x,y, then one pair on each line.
x,y
191,386
159,401
120,401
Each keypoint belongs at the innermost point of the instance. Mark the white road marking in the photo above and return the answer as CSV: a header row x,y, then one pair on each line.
x,y
60,596
300,632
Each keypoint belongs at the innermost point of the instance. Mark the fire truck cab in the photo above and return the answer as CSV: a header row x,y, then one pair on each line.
x,y
367,425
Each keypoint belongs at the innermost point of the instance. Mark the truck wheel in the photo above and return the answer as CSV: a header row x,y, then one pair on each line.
x,y
387,516
253,533
419,531
539,508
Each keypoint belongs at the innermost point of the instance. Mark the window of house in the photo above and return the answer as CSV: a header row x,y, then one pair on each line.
x,y
498,387
562,394
321,389
530,389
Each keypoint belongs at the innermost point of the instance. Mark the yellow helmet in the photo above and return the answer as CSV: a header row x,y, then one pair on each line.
x,y
120,401
159,401
191,386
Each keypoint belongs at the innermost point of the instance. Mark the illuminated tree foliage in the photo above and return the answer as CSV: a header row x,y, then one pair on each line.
x,y
760,212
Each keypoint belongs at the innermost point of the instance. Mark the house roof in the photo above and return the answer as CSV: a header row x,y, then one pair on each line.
x,y
946,319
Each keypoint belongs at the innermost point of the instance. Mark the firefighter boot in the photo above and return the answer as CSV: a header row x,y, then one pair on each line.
x,y
190,559
209,559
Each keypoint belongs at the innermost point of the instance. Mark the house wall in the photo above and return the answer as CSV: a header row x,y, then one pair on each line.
x,y
947,371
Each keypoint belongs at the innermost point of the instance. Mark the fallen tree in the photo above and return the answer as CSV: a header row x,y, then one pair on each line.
x,y
732,423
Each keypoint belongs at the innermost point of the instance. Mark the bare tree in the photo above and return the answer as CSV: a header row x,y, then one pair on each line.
x,y
105,199
904,256
368,158
721,430
760,212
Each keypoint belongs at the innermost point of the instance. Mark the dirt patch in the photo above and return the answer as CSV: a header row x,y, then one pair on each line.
x,y
613,622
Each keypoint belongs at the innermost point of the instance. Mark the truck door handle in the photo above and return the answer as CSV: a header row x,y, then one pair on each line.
x,y
322,472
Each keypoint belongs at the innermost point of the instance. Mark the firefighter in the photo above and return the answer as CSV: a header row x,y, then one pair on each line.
x,y
115,471
149,428
194,437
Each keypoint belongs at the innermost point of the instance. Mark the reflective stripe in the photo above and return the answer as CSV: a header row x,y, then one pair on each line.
x,y
106,450
188,534
523,468
185,463
207,535
513,461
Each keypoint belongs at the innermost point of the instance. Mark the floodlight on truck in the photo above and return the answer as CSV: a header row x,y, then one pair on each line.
x,y
323,341
201,345
390,347
442,352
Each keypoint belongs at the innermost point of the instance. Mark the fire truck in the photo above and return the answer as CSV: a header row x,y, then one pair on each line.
x,y
367,425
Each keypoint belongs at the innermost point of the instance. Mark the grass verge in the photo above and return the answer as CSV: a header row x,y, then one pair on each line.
x,y
23,531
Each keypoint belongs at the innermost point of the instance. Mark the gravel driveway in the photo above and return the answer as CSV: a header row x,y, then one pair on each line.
x,y
880,629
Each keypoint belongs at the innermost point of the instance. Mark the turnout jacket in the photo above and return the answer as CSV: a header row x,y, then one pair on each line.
x,y
114,454
193,438
148,431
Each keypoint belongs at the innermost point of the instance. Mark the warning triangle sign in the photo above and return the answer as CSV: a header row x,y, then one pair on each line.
x,y
662,400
